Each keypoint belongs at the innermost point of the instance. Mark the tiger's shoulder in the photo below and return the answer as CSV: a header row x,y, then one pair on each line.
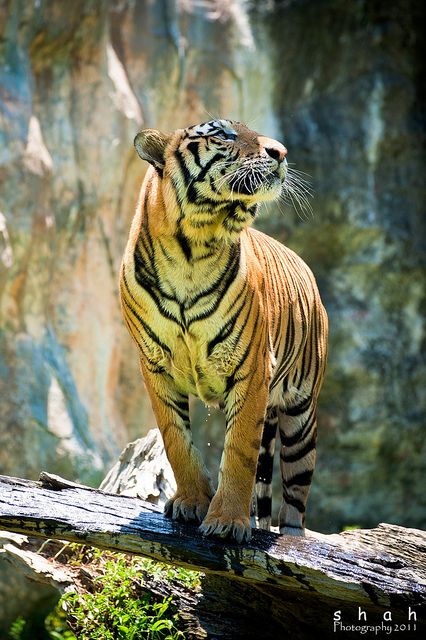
x,y
274,256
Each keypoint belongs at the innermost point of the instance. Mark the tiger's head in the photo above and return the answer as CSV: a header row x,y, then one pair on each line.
x,y
219,171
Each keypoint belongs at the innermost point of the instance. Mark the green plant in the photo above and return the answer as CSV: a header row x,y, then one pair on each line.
x,y
17,628
114,604
119,608
57,626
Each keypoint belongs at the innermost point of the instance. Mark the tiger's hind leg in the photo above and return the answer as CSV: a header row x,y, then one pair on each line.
x,y
264,470
298,431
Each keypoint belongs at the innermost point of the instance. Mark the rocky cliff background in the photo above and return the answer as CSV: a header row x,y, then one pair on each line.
x,y
341,83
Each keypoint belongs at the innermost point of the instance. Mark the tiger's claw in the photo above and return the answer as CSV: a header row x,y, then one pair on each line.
x,y
187,508
239,529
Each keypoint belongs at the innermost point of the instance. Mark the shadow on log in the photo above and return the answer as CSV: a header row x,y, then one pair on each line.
x,y
275,585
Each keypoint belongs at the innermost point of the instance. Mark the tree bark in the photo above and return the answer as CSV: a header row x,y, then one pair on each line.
x,y
276,584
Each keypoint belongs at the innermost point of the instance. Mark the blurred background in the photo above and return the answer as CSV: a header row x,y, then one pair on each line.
x,y
342,85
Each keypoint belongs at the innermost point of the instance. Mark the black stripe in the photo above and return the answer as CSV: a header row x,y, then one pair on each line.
x,y
199,224
233,227
298,455
304,323
302,479
144,325
142,272
165,253
213,205
227,329
146,273
298,504
288,441
220,292
233,206
212,185
153,366
223,281
224,333
220,337
232,379
194,147
182,409
145,241
176,403
191,192
270,427
184,244
298,409
204,256
149,284
285,362
264,506
241,294
265,465
314,340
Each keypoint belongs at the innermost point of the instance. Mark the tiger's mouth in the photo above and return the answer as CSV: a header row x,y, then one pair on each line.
x,y
260,185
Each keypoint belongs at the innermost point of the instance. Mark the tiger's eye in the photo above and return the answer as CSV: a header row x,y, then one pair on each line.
x,y
226,135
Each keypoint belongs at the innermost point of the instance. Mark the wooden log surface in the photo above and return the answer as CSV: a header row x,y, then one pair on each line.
x,y
388,559
379,569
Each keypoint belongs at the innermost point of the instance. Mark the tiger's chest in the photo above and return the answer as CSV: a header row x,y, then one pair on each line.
x,y
189,356
180,328
196,371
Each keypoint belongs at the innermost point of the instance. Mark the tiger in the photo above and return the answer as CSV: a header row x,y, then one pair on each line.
x,y
224,312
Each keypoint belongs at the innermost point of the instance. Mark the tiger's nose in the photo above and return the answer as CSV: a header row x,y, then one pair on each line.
x,y
273,148
277,152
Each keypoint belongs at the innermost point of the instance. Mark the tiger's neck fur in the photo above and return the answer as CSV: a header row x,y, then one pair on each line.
x,y
187,223
166,258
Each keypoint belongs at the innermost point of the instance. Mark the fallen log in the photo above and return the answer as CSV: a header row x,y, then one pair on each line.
x,y
278,584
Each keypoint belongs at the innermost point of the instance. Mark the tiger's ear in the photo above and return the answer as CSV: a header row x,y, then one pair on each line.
x,y
151,145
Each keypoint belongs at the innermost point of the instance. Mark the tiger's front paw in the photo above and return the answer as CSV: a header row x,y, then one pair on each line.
x,y
238,528
186,507
226,522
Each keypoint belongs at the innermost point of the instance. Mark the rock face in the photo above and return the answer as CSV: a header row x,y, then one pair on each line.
x,y
78,81
340,85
